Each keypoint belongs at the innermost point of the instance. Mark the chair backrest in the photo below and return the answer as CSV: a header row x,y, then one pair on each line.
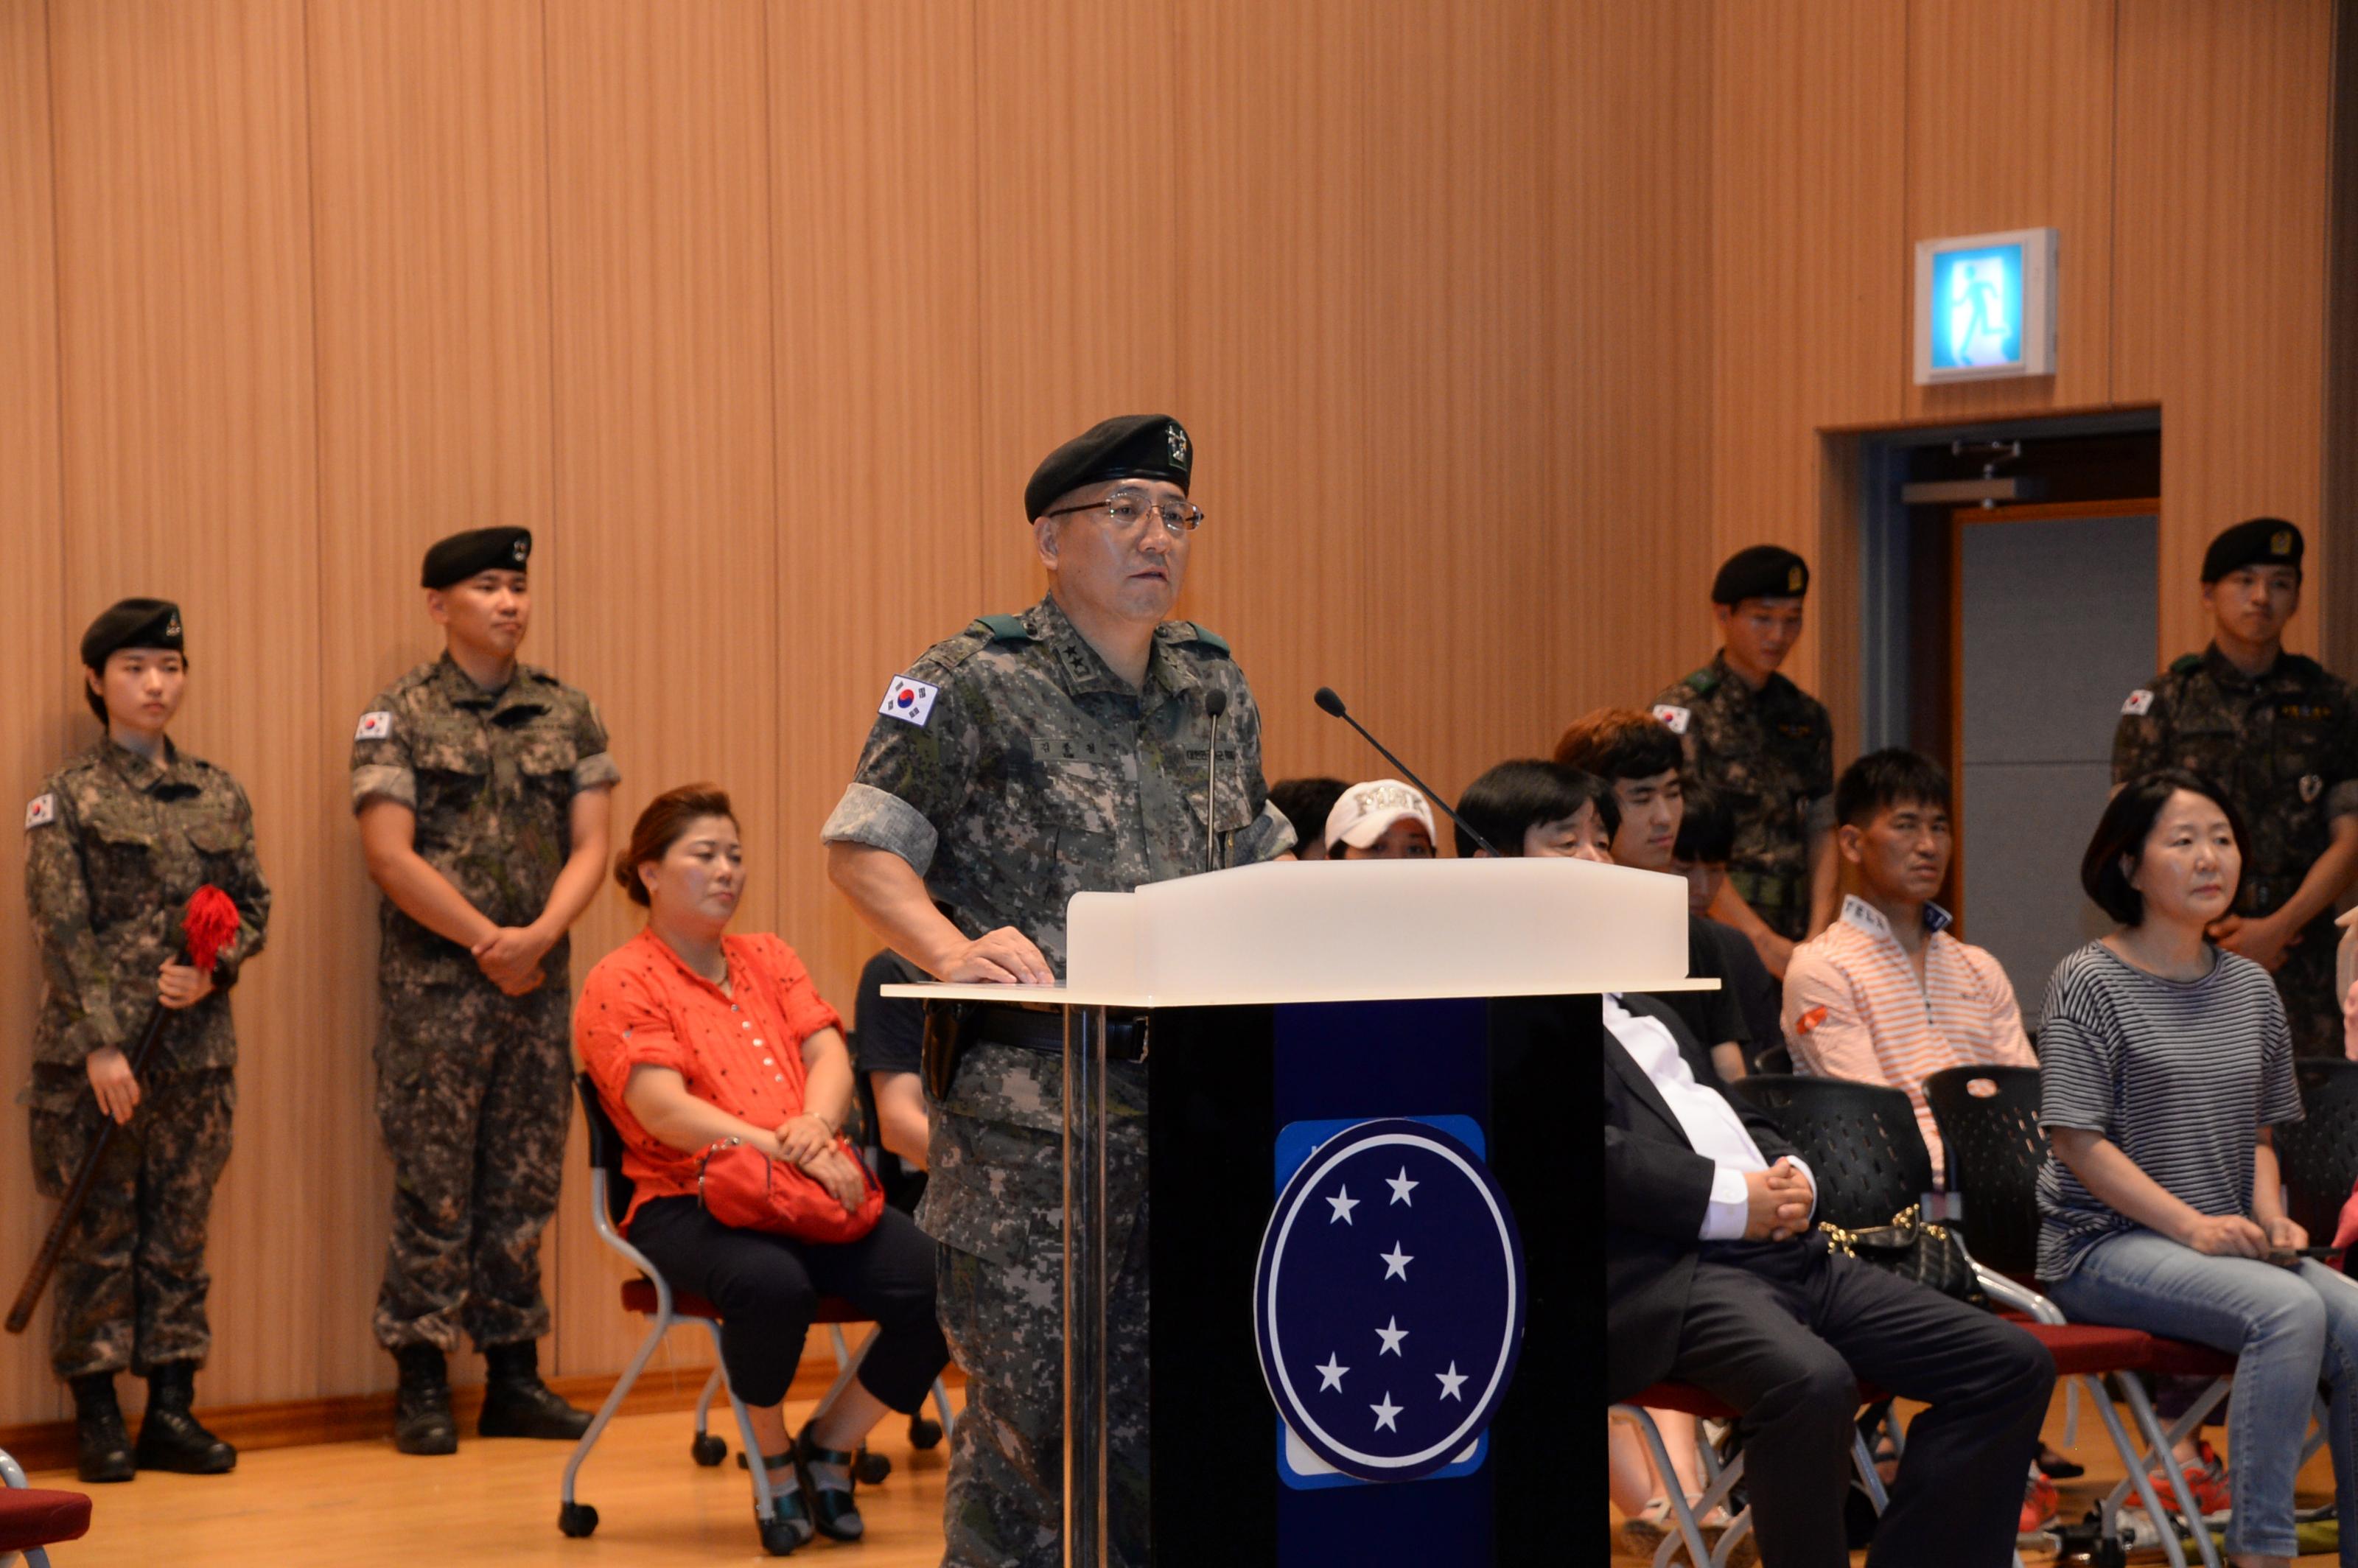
x,y
2319,1153
1775,1060
1988,1118
1860,1139
605,1148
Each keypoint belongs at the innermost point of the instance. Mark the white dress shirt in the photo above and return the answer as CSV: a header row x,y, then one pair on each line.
x,y
1710,1124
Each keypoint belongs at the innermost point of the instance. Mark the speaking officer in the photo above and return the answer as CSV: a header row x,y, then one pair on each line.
x,y
482,789
1029,758
115,843
2280,736
1767,748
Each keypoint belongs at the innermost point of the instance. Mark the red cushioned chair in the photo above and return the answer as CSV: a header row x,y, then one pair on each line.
x,y
32,1518
651,1296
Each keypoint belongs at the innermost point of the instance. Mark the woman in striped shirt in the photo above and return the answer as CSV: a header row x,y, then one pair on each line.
x,y
2164,1063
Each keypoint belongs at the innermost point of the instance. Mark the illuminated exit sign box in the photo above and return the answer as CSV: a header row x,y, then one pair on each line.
x,y
1985,306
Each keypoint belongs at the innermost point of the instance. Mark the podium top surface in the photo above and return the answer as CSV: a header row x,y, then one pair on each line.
x,y
1368,931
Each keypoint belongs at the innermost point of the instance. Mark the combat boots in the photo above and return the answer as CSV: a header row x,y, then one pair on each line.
x,y
101,1444
516,1403
170,1436
421,1410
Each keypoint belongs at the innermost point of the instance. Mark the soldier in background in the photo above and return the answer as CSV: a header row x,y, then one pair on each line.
x,y
1766,749
1026,759
482,788
115,844
2280,736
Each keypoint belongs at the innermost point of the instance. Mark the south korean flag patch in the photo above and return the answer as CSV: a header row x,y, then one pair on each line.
x,y
42,811
2139,704
1674,718
909,700
375,727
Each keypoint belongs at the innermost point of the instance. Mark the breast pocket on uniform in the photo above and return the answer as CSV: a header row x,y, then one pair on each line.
x,y
451,766
1082,800
218,841
119,852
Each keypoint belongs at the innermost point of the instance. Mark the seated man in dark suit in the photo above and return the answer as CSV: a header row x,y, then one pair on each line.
x,y
1714,1277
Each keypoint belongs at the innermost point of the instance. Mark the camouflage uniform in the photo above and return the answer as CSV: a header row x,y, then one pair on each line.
x,y
474,1087
114,847
2285,748
1037,774
1770,755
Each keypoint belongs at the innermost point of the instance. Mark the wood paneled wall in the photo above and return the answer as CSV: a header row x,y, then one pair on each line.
x,y
1497,324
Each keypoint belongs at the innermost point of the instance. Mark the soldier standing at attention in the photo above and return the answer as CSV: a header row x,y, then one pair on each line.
x,y
2280,736
115,844
482,788
1029,758
1767,748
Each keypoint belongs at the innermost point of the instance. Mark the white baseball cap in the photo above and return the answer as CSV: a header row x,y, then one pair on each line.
x,y
1366,811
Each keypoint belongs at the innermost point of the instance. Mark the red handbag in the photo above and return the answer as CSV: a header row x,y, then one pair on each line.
x,y
743,1188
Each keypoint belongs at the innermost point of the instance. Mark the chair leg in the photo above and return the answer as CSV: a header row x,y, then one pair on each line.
x,y
38,1556
1862,1459
847,1361
704,1400
655,1332
2161,1451
764,1509
941,1404
1685,1517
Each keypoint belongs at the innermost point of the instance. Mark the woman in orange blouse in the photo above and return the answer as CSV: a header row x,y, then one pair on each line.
x,y
694,1036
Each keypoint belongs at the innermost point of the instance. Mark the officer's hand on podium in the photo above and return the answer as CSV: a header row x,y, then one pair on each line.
x,y
1004,956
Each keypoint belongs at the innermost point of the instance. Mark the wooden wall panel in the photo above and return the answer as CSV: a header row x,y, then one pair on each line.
x,y
2219,269
187,399
883,525
45,717
665,537
2022,139
429,181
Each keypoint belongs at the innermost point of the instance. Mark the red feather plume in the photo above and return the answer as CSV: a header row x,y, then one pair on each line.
x,y
210,921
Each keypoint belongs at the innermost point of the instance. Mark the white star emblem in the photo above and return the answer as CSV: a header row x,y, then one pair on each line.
x,y
1385,1412
1396,1262
1402,1186
1344,1203
1391,1336
1449,1383
1330,1376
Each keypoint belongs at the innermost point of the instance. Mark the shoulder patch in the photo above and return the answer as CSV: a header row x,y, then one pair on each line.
x,y
909,700
2185,664
377,726
43,810
1702,682
1810,1020
1004,628
2140,702
1674,718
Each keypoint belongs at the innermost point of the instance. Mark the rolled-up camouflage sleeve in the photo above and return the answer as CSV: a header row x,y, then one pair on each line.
x,y
252,896
596,768
912,779
867,814
382,767
81,981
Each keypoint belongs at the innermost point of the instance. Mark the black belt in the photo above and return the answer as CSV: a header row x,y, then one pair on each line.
x,y
1041,1030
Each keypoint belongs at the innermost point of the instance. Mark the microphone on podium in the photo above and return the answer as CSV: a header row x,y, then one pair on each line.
x,y
1326,698
1216,702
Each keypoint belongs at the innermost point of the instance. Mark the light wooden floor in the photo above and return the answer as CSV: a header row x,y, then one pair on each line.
x,y
494,1503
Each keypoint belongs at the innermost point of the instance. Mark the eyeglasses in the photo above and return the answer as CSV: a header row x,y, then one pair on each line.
x,y
1126,509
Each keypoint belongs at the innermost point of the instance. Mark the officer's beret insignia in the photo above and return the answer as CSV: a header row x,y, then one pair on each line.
x,y
172,627
1674,718
2311,786
1178,442
2280,541
1795,578
44,809
2140,702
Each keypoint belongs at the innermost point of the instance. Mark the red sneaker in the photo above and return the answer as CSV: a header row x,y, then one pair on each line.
x,y
2208,1479
2038,1505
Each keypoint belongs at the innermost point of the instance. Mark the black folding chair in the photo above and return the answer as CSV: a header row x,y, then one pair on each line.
x,y
1860,1141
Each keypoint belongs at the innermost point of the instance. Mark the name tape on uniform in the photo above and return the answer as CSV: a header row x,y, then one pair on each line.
x,y
909,698
1674,720
44,808
2140,702
373,727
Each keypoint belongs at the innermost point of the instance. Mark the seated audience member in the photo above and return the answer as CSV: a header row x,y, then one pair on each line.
x,y
888,1044
1305,802
1712,1278
2165,1062
693,1036
1383,820
1706,838
1885,994
1638,757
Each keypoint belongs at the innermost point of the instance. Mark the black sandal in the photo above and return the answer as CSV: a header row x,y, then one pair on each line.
x,y
790,1525
831,1507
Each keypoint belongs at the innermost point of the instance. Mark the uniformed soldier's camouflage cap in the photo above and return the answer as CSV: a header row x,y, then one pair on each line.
x,y
1134,445
131,623
2255,542
1764,571
461,556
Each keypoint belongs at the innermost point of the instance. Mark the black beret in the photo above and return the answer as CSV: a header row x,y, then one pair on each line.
x,y
2260,542
131,623
461,556
1135,446
1764,571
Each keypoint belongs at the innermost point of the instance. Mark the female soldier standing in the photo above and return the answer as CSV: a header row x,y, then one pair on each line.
x,y
116,842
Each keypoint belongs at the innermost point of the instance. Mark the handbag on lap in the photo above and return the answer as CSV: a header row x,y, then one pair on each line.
x,y
1913,1250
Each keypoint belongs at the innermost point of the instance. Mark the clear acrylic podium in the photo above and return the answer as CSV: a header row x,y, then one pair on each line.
x,y
1315,995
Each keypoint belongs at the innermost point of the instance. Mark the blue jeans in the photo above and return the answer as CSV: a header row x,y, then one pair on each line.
x,y
2289,1329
